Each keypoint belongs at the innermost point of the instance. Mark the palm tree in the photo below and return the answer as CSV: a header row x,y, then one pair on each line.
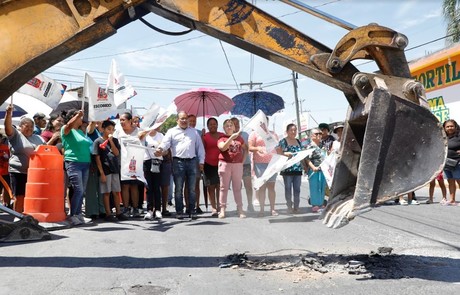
x,y
451,11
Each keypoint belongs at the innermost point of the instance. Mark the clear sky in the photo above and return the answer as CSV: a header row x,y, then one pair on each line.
x,y
161,67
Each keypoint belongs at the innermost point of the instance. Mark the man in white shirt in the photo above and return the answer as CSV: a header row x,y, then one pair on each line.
x,y
186,145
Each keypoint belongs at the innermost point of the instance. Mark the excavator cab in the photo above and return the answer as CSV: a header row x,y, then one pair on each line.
x,y
392,144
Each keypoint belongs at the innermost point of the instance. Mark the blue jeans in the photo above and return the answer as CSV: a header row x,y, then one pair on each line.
x,y
78,173
292,182
184,169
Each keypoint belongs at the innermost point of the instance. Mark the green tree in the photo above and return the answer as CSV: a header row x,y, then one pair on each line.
x,y
169,123
451,12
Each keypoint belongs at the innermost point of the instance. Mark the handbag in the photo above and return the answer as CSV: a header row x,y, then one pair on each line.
x,y
450,164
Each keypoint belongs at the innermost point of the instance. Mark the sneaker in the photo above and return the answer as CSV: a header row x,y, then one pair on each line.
x,y
403,202
179,215
166,213
110,218
122,217
158,215
83,219
170,203
136,212
414,202
148,215
428,201
198,210
73,220
193,216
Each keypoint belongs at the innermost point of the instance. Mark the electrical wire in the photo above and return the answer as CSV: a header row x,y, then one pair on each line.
x,y
228,63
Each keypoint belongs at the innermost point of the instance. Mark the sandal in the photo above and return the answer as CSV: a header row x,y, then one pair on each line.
x,y
429,201
221,215
274,213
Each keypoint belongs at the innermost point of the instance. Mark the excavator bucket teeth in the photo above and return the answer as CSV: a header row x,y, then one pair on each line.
x,y
384,154
26,229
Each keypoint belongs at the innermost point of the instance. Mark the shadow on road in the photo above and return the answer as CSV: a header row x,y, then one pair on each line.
x,y
360,266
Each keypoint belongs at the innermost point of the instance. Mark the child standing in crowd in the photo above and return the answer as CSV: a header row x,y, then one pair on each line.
x,y
106,150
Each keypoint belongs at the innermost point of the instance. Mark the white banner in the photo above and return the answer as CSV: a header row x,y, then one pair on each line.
x,y
118,86
328,167
164,114
259,124
278,163
100,105
44,89
132,161
149,118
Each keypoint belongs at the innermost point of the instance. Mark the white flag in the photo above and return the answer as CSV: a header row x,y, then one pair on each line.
x,y
276,164
132,164
148,119
44,89
259,124
328,167
164,114
100,105
118,86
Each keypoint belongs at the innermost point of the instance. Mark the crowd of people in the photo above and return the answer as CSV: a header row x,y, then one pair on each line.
x,y
175,163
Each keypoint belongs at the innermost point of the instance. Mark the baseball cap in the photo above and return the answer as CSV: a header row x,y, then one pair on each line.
x,y
40,116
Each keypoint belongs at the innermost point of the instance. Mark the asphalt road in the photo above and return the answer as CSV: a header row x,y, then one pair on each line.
x,y
287,254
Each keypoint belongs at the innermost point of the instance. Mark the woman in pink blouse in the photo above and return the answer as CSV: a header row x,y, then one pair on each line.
x,y
261,157
233,151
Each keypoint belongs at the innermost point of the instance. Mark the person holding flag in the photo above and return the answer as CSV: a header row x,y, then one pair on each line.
x,y
77,158
132,159
261,158
292,176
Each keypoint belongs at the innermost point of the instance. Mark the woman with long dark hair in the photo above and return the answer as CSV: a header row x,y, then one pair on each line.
x,y
452,168
292,176
77,158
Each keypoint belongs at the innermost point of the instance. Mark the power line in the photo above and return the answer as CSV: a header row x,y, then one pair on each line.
x,y
228,63
134,51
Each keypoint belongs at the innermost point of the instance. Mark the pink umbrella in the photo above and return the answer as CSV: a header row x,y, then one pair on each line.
x,y
204,102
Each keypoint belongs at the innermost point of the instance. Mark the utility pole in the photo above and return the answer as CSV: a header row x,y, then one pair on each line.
x,y
250,84
296,99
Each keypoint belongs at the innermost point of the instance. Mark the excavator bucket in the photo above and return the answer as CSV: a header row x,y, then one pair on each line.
x,y
26,229
391,146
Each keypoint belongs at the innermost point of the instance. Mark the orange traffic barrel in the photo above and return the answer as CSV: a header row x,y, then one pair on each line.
x,y
45,185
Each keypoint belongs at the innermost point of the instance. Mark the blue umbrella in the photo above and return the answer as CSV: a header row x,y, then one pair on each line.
x,y
17,111
248,103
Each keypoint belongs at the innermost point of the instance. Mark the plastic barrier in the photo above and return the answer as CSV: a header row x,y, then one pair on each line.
x,y
44,199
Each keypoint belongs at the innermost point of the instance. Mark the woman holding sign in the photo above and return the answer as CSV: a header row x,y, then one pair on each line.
x,y
292,176
77,158
132,172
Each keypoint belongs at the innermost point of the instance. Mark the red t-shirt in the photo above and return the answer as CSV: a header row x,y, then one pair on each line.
x,y
235,152
211,150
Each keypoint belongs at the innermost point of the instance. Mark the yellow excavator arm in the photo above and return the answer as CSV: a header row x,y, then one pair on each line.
x,y
391,144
